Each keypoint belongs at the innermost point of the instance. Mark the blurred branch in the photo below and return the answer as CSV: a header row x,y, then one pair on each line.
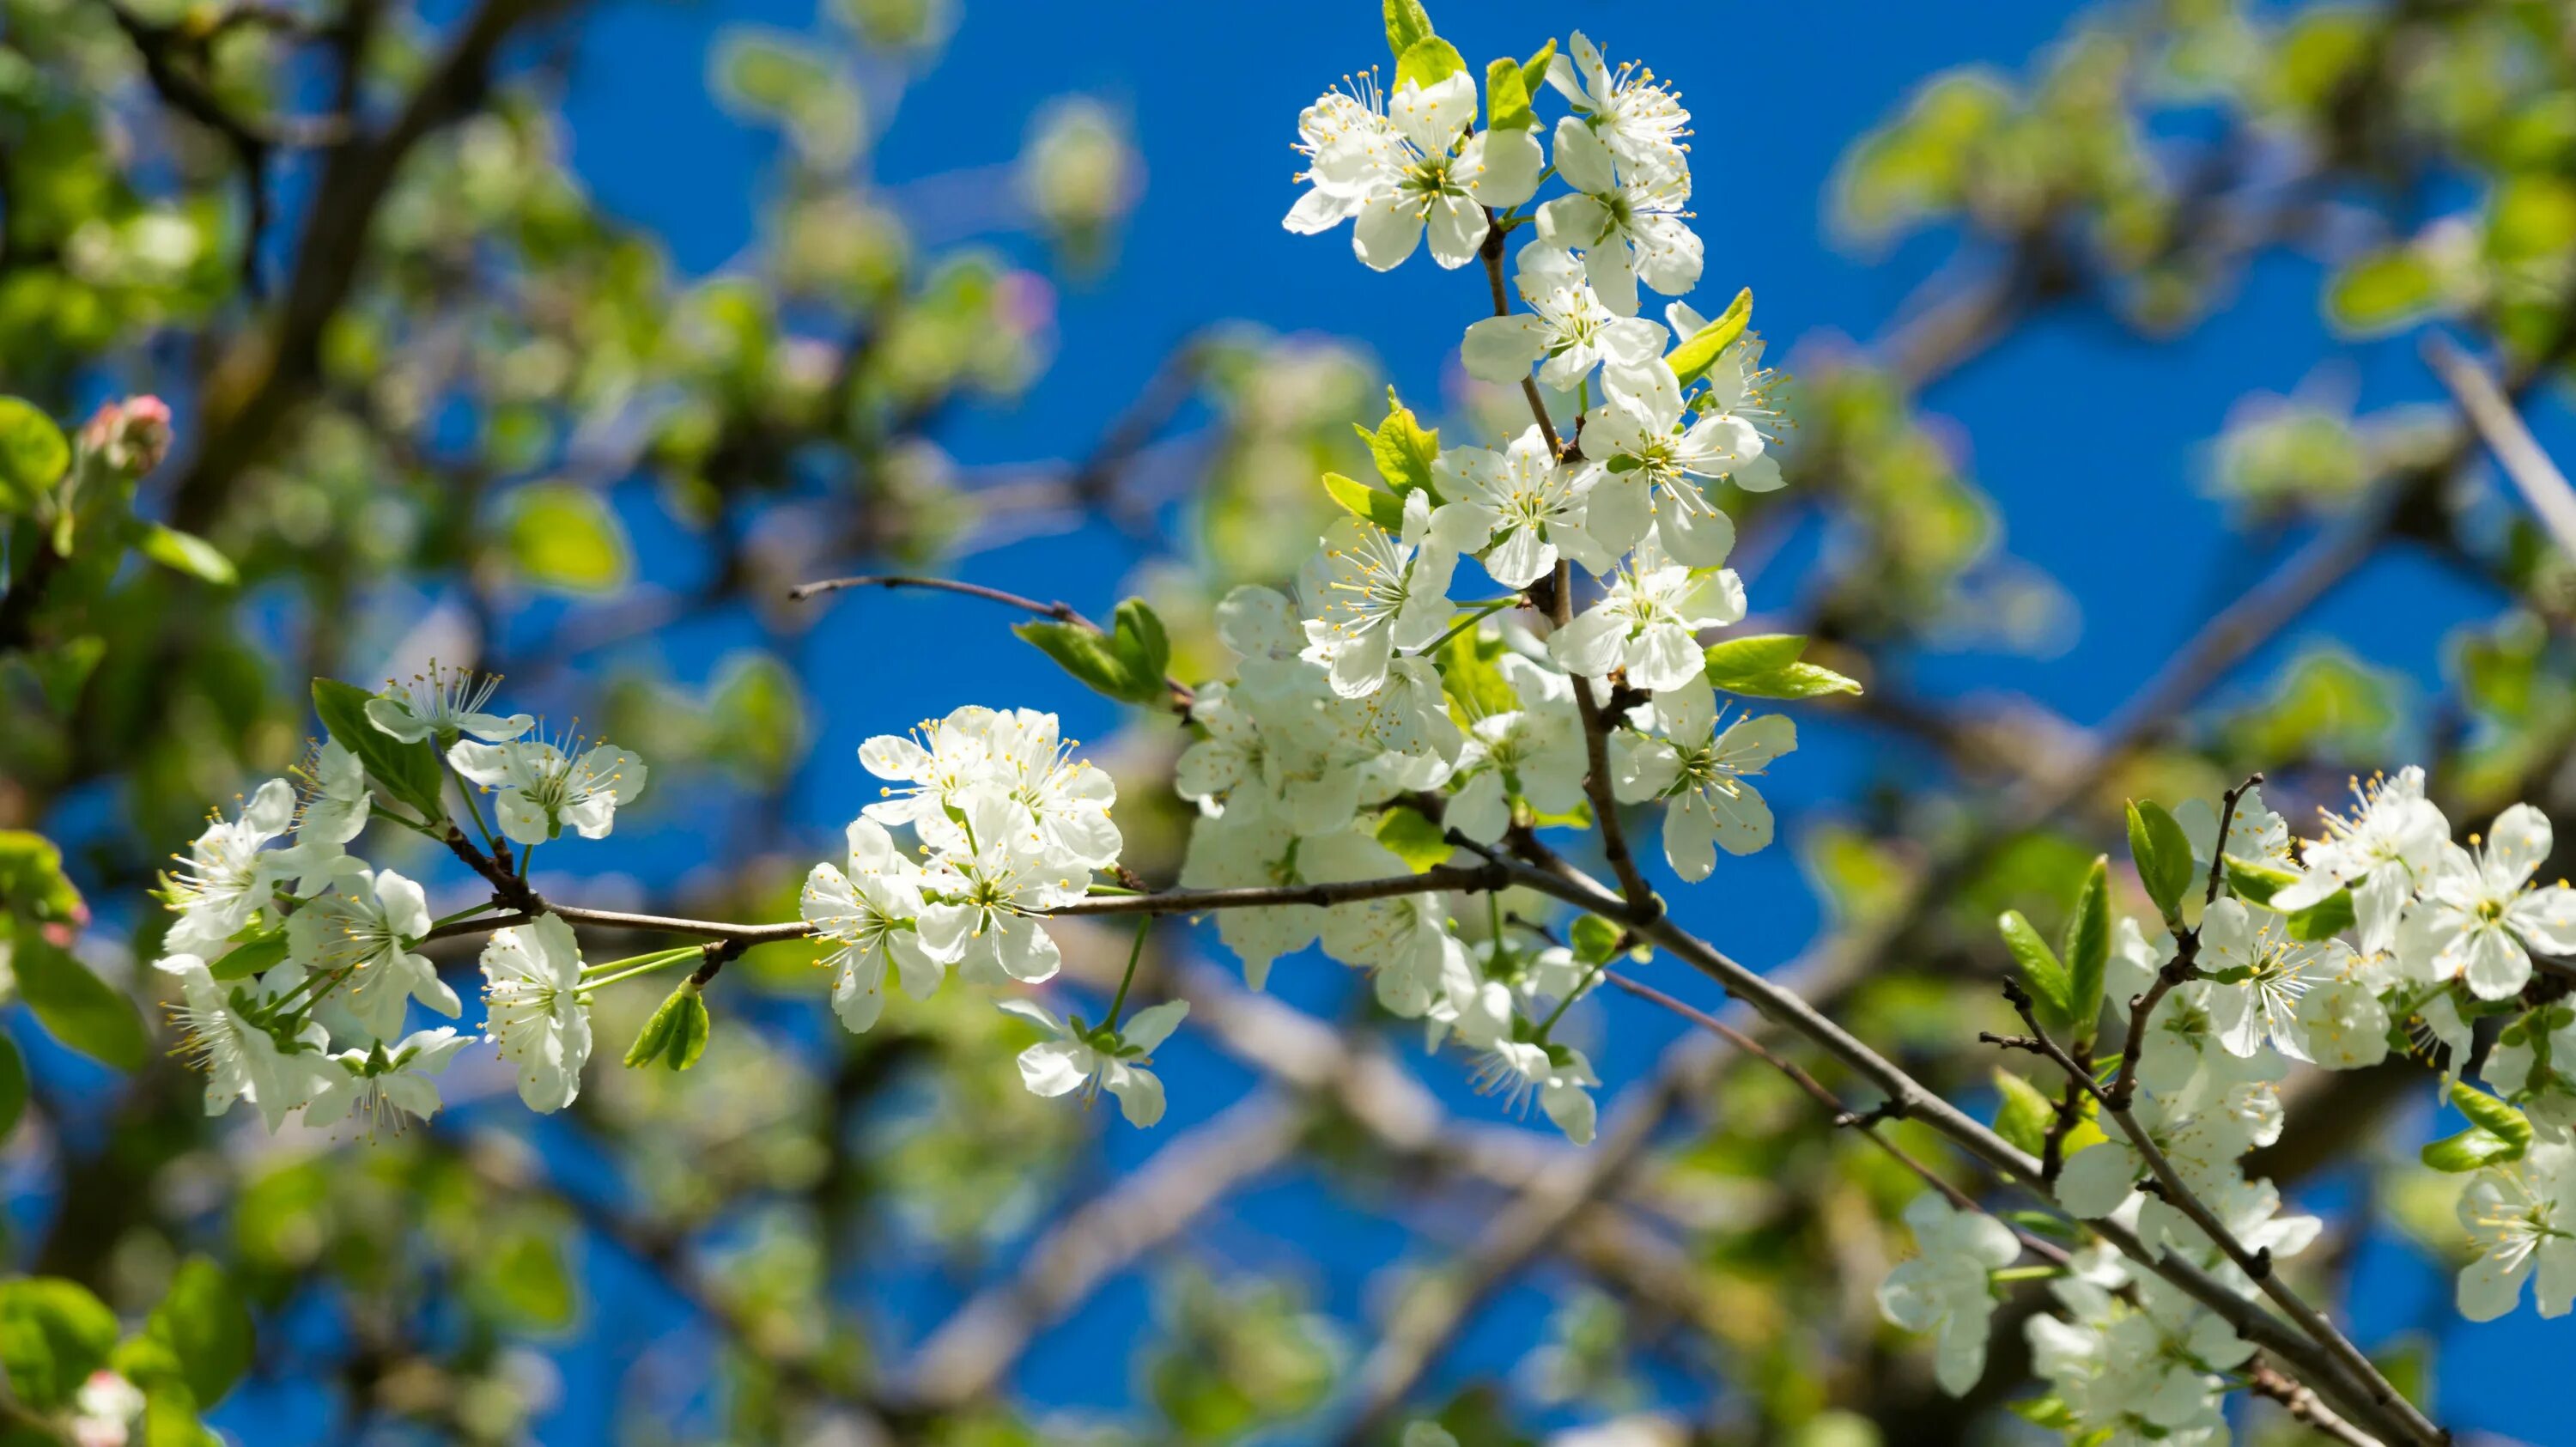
x,y
2499,424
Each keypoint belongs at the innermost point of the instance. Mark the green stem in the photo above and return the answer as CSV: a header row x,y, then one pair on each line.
x,y
1135,952
1571,996
595,976
1470,621
468,912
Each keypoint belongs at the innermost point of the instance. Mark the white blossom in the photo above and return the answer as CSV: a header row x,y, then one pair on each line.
x,y
1629,230
533,1008
2521,1220
1557,1075
1403,940
1533,754
983,902
2379,851
1369,593
2344,1025
1522,500
2533,1064
1073,1058
1648,622
368,929
1622,119
440,704
229,872
1702,772
2477,920
1242,849
2258,974
539,787
1566,328
1653,461
1947,1288
873,913
1396,164
1019,753
338,799
381,1084
242,1058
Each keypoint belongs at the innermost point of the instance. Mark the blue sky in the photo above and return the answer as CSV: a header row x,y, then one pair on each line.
x,y
2089,442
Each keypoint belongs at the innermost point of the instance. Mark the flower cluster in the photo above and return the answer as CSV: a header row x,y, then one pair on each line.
x,y
1371,716
2379,937
1010,827
297,963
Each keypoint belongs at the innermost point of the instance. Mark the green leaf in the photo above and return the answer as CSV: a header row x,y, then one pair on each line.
x,y
53,1334
2324,919
251,957
2163,856
33,454
207,1326
78,1008
2490,1114
1414,839
1369,504
2023,1114
1534,69
566,539
1507,97
186,553
1427,62
408,771
1095,660
1766,666
2087,947
677,1034
2470,1150
32,881
1138,635
2382,292
1691,360
1405,449
13,1086
1469,676
1595,939
2256,883
1407,25
2050,989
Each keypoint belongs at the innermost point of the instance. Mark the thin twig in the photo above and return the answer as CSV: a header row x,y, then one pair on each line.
x,y
2499,424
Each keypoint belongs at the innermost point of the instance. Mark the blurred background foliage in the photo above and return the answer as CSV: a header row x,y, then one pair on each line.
x,y
432,400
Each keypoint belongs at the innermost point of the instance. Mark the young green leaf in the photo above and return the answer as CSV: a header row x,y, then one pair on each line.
x,y
1534,69
186,553
1094,660
2470,1150
53,1334
251,957
2490,1114
1369,504
33,454
76,1007
2087,948
32,881
1414,839
13,1086
2324,919
1138,635
2050,989
408,771
1766,666
1691,360
207,1327
1427,62
1507,97
2162,853
677,1032
2023,1114
1404,449
1407,25
2256,883
1594,939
